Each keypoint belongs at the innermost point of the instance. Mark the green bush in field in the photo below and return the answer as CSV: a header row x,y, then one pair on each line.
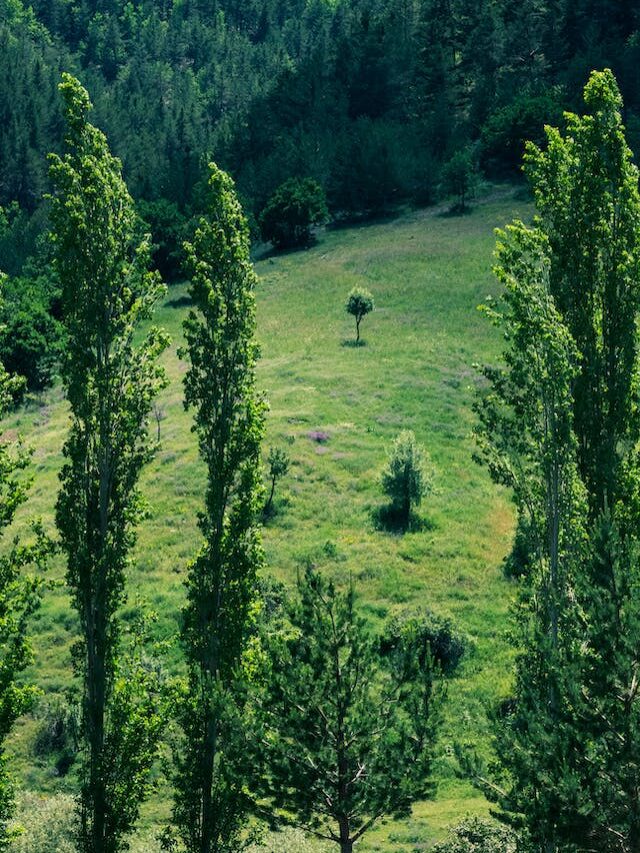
x,y
475,835
292,211
408,476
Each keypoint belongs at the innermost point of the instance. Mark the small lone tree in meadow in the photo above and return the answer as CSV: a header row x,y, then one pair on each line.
x,y
279,462
291,212
408,476
346,732
359,303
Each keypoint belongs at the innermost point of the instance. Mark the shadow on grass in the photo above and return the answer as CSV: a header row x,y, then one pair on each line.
x,y
390,519
456,210
179,302
351,344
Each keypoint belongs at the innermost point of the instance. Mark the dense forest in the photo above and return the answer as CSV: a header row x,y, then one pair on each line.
x,y
371,98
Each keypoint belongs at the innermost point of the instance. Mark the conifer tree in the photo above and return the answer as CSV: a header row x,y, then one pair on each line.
x,y
110,380
347,728
211,801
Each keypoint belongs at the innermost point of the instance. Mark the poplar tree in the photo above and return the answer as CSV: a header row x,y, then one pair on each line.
x,y
111,374
525,437
211,802
586,192
587,233
19,598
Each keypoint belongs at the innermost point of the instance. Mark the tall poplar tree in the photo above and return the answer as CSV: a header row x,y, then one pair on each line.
x,y
211,801
588,204
110,380
588,232
526,438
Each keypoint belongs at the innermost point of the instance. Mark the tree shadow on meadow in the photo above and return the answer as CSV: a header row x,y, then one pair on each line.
x,y
389,519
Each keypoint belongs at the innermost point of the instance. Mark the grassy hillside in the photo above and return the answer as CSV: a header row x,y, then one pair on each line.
x,y
427,273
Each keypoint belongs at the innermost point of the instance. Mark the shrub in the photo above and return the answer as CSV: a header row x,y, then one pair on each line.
x,y
475,835
48,824
425,631
359,303
408,476
57,733
291,212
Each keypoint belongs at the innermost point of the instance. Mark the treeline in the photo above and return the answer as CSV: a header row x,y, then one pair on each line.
x,y
368,97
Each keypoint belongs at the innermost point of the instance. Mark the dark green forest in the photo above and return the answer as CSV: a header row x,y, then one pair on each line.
x,y
371,98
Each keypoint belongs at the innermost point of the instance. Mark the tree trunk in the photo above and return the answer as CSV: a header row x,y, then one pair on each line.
x,y
357,330
267,506
96,801
346,846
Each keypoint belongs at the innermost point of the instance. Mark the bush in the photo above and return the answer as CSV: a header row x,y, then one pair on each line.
x,y
505,132
517,564
48,824
426,631
408,476
359,303
475,835
291,212
30,336
57,733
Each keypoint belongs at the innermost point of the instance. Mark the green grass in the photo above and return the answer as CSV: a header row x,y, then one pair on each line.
x,y
427,273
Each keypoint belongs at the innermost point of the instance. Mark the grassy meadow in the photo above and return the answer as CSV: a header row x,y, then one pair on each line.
x,y
427,272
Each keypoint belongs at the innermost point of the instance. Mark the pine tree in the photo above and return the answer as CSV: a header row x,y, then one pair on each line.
x,y
211,802
347,733
110,382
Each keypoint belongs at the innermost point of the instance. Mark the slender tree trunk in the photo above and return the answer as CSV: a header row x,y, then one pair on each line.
x,y
267,506
95,716
357,330
208,761
346,846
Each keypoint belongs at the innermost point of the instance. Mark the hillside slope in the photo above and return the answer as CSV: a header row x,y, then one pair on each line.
x,y
428,273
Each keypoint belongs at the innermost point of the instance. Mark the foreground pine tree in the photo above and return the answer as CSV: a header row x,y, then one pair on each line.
x,y
211,801
346,728
110,383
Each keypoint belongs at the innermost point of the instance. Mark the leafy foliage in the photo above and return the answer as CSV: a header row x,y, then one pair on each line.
x,y
359,303
211,801
110,382
478,836
279,461
290,213
408,476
